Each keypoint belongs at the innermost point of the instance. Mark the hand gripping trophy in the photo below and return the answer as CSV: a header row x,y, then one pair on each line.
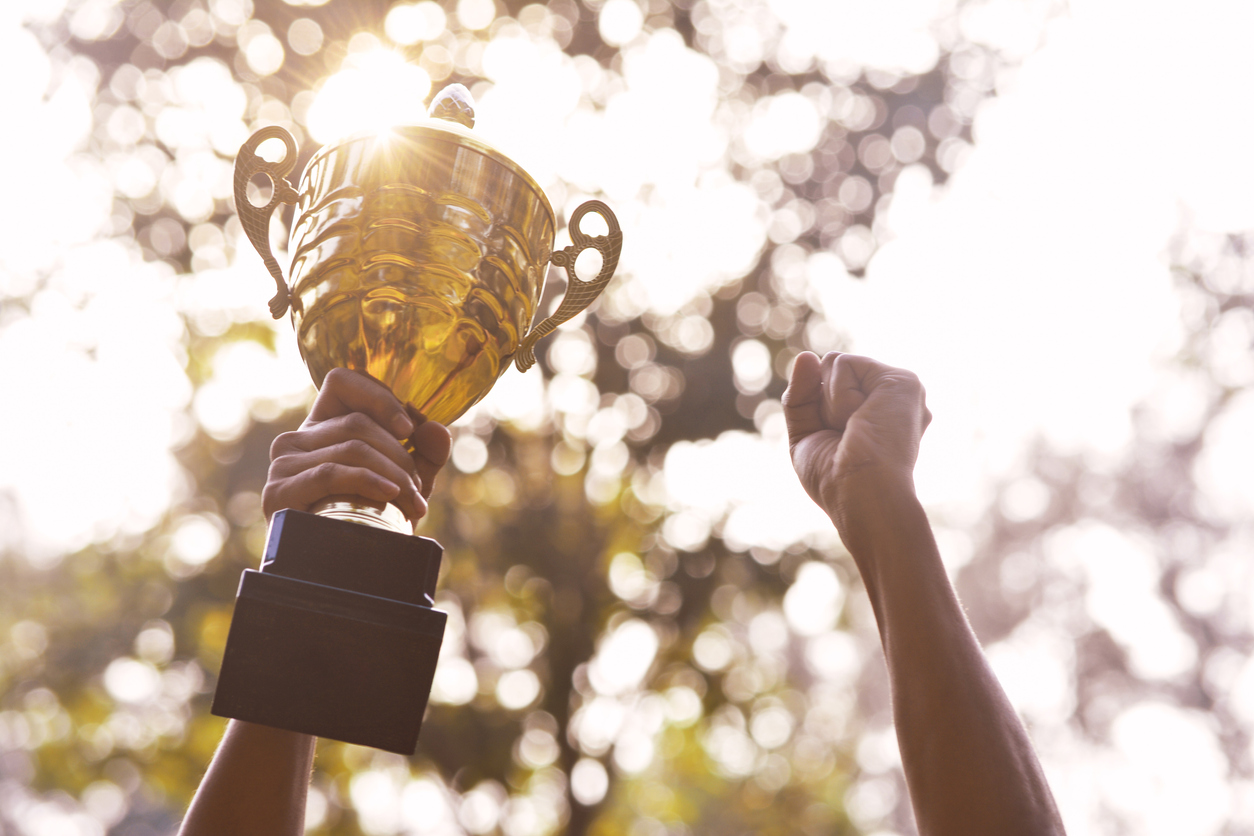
x,y
418,257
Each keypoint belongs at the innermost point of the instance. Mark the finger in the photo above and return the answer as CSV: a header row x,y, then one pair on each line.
x,y
431,443
887,383
894,390
802,412
342,428
301,490
357,454
871,374
352,452
345,391
843,389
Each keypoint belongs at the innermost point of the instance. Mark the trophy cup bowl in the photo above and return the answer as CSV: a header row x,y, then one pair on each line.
x,y
419,256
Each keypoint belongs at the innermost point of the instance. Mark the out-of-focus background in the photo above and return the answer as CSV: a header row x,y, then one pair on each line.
x,y
1043,208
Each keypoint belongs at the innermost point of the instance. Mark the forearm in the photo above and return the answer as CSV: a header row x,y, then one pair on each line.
x,y
968,762
256,784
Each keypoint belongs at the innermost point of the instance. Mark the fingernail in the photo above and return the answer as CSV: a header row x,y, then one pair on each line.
x,y
415,492
419,506
402,426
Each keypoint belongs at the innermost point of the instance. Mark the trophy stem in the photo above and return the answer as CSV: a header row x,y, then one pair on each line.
x,y
358,509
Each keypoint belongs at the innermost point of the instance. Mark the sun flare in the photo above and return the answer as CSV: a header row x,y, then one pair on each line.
x,y
373,91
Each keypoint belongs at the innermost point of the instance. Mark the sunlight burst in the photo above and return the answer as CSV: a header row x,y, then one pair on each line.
x,y
375,90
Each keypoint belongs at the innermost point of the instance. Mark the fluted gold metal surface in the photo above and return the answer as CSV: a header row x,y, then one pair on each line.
x,y
418,257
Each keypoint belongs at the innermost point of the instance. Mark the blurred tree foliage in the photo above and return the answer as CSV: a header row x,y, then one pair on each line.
x,y
599,677
1154,528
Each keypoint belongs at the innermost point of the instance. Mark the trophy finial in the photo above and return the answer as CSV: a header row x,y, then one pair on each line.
x,y
454,104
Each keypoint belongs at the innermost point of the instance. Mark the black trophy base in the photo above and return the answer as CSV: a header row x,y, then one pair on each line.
x,y
335,636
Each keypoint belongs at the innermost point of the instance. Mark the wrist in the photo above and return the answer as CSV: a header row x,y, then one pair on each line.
x,y
869,505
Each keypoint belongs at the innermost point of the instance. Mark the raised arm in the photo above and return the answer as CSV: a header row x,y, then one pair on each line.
x,y
350,444
854,428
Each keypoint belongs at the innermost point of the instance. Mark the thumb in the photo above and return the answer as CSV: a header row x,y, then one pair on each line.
x,y
801,400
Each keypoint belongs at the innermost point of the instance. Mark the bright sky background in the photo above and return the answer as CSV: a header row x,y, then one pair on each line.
x,y
1030,293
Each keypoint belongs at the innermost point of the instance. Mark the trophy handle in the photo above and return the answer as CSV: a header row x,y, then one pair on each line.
x,y
579,294
256,221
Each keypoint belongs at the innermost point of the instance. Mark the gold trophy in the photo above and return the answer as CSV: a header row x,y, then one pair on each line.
x,y
419,257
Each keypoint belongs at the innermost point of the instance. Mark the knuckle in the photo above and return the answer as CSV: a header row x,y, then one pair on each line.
x,y
358,423
276,473
911,381
272,500
355,448
336,376
283,444
323,473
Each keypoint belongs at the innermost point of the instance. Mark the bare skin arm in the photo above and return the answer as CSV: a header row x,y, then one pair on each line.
x,y
854,430
350,444
256,784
